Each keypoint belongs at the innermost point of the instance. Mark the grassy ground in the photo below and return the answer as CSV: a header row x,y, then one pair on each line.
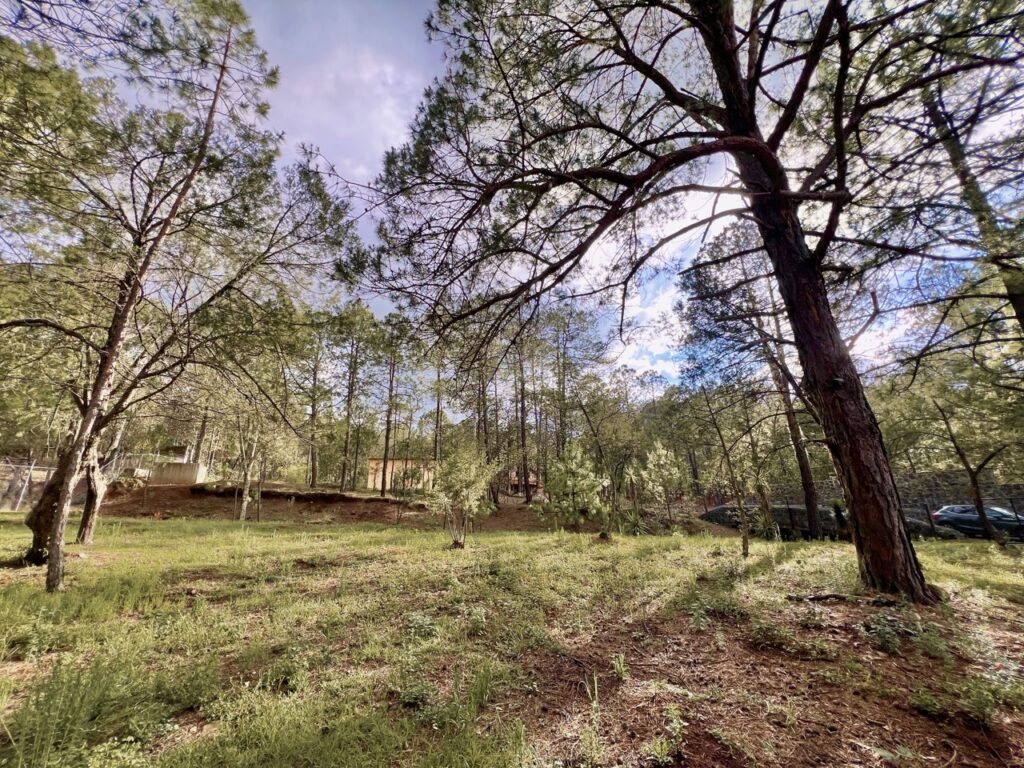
x,y
212,643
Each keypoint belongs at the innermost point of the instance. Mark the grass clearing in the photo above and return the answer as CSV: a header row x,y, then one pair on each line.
x,y
193,643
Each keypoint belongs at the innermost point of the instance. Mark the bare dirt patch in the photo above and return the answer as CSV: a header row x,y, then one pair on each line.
x,y
744,706
176,502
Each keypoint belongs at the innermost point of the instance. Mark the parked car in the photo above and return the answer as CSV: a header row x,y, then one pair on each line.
x,y
964,518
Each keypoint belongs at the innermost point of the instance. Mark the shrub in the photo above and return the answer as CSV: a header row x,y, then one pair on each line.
x,y
574,491
459,492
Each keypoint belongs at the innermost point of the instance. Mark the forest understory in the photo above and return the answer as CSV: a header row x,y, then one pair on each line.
x,y
197,642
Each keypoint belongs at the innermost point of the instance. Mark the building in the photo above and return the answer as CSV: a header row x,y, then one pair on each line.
x,y
402,473
516,488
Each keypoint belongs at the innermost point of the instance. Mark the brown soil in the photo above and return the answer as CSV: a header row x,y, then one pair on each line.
x,y
281,505
170,501
745,706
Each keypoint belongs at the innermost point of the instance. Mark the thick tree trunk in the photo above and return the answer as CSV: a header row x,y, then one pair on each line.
x,y
40,518
129,293
95,490
76,453
885,555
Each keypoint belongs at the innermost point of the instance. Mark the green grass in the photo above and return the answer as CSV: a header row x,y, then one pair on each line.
x,y
182,643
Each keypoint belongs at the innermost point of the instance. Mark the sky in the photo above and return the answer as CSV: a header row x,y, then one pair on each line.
x,y
352,74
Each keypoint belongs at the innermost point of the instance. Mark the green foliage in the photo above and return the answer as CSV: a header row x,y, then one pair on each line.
x,y
575,491
75,708
619,666
460,491
664,476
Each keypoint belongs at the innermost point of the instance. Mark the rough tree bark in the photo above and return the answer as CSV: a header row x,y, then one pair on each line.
x,y
886,557
95,490
96,482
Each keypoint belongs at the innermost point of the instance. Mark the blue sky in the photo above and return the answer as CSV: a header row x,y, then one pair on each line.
x,y
352,74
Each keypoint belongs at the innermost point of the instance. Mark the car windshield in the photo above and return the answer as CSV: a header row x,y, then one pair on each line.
x,y
999,512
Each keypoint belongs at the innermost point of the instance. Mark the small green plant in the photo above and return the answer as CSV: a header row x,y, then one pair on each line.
x,y
619,666
932,645
660,751
476,621
979,699
765,635
927,703
591,743
764,525
419,625
676,726
886,631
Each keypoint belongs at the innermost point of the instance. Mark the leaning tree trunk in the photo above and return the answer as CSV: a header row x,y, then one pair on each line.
x,y
979,506
75,454
886,557
40,517
48,518
95,490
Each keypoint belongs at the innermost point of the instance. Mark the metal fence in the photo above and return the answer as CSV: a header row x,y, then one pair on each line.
x,y
20,481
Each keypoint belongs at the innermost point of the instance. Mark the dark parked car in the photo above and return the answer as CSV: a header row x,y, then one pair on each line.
x,y
964,518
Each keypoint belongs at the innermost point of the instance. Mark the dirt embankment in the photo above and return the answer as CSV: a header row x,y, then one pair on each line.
x,y
286,505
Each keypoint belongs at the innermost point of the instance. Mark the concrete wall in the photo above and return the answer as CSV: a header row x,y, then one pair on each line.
x,y
172,473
